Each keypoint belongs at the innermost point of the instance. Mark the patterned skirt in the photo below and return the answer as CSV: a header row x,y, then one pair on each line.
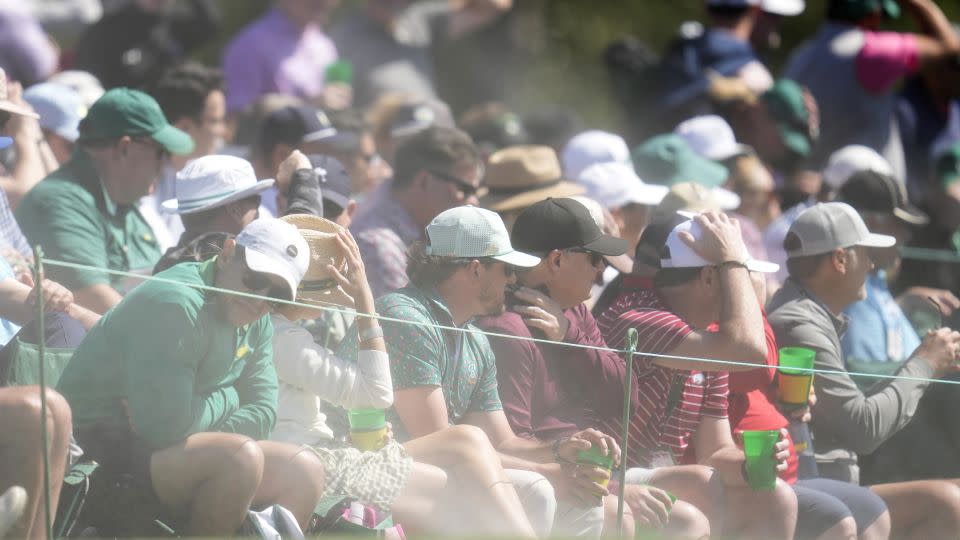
x,y
373,478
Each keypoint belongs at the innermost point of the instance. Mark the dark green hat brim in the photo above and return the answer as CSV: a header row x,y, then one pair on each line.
x,y
174,140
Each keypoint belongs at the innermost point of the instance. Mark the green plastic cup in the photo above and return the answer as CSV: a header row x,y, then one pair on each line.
x,y
758,447
594,456
795,383
368,429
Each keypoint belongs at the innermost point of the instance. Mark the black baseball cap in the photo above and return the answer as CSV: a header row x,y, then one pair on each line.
x,y
562,224
334,179
295,124
871,191
654,238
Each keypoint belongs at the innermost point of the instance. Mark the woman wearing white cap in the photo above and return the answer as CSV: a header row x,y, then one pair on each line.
x,y
311,377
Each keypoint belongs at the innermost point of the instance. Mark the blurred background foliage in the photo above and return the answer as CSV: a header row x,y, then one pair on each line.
x,y
558,44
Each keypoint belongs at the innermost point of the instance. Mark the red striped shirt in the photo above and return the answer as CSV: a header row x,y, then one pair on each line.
x,y
652,427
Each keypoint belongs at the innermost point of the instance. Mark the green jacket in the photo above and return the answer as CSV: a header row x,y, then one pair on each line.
x,y
166,363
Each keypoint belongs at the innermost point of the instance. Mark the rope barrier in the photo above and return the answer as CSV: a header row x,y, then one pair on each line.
x,y
320,305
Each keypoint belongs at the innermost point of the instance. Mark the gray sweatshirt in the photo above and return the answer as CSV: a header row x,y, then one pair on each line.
x,y
845,421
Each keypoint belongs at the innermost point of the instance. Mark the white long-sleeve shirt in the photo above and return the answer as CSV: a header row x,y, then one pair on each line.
x,y
309,373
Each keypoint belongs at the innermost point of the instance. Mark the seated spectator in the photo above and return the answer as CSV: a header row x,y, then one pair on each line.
x,y
520,176
357,149
829,263
437,169
850,160
194,436
246,125
389,42
61,109
396,117
592,147
133,44
754,184
296,127
85,212
293,63
22,470
857,82
217,196
493,127
783,127
552,391
703,278
444,377
711,137
191,97
310,373
34,160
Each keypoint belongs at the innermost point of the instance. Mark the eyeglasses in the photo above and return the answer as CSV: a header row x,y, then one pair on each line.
x,y
595,258
462,185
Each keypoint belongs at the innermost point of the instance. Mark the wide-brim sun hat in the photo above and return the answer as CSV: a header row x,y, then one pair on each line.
x,y
318,284
520,176
213,181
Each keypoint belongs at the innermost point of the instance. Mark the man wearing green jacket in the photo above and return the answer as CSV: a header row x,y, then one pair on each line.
x,y
176,386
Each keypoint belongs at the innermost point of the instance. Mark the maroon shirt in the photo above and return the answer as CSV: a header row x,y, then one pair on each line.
x,y
549,391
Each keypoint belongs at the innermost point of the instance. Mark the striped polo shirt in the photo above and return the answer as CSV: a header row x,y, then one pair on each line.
x,y
661,423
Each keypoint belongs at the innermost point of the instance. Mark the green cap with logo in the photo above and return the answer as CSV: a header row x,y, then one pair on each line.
x,y
787,107
123,111
668,159
854,10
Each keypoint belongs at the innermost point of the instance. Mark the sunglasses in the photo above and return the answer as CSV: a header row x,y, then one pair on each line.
x,y
257,282
595,258
462,185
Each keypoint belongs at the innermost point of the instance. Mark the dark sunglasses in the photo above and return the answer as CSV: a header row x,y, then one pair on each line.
x,y
595,258
462,185
257,282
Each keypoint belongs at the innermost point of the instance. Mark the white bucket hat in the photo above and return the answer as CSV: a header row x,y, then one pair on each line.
x,y
212,181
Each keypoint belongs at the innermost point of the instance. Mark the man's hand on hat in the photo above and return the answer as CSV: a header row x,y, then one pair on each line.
x,y
294,162
720,241
541,312
940,349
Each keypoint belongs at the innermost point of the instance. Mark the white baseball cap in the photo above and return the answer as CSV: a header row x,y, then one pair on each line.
x,y
615,185
276,247
589,147
711,137
680,255
825,227
211,181
472,232
787,8
851,159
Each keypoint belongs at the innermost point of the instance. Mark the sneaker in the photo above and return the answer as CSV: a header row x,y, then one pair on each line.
x,y
13,502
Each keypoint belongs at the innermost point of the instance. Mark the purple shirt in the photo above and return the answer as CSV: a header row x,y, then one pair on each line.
x,y
383,230
273,55
549,391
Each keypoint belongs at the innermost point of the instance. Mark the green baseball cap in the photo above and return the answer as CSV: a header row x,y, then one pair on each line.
x,y
947,165
668,159
786,105
854,10
123,111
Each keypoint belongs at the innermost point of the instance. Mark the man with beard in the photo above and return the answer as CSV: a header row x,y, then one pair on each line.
x,y
444,371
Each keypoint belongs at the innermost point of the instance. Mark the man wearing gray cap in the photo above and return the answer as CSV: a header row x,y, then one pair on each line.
x,y
828,261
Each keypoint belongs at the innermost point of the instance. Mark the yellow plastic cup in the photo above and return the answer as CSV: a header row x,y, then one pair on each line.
x,y
368,429
795,383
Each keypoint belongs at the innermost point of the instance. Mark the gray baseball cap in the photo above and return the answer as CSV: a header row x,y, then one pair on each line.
x,y
827,226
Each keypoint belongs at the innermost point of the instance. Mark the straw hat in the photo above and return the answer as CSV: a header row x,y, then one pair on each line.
x,y
520,176
318,284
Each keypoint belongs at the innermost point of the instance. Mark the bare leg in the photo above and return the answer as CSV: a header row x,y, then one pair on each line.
x,y
845,529
610,504
468,457
21,452
922,509
212,476
416,504
761,514
879,529
292,477
686,522
697,485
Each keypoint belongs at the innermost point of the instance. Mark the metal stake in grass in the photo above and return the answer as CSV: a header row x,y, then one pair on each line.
x,y
42,346
625,445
